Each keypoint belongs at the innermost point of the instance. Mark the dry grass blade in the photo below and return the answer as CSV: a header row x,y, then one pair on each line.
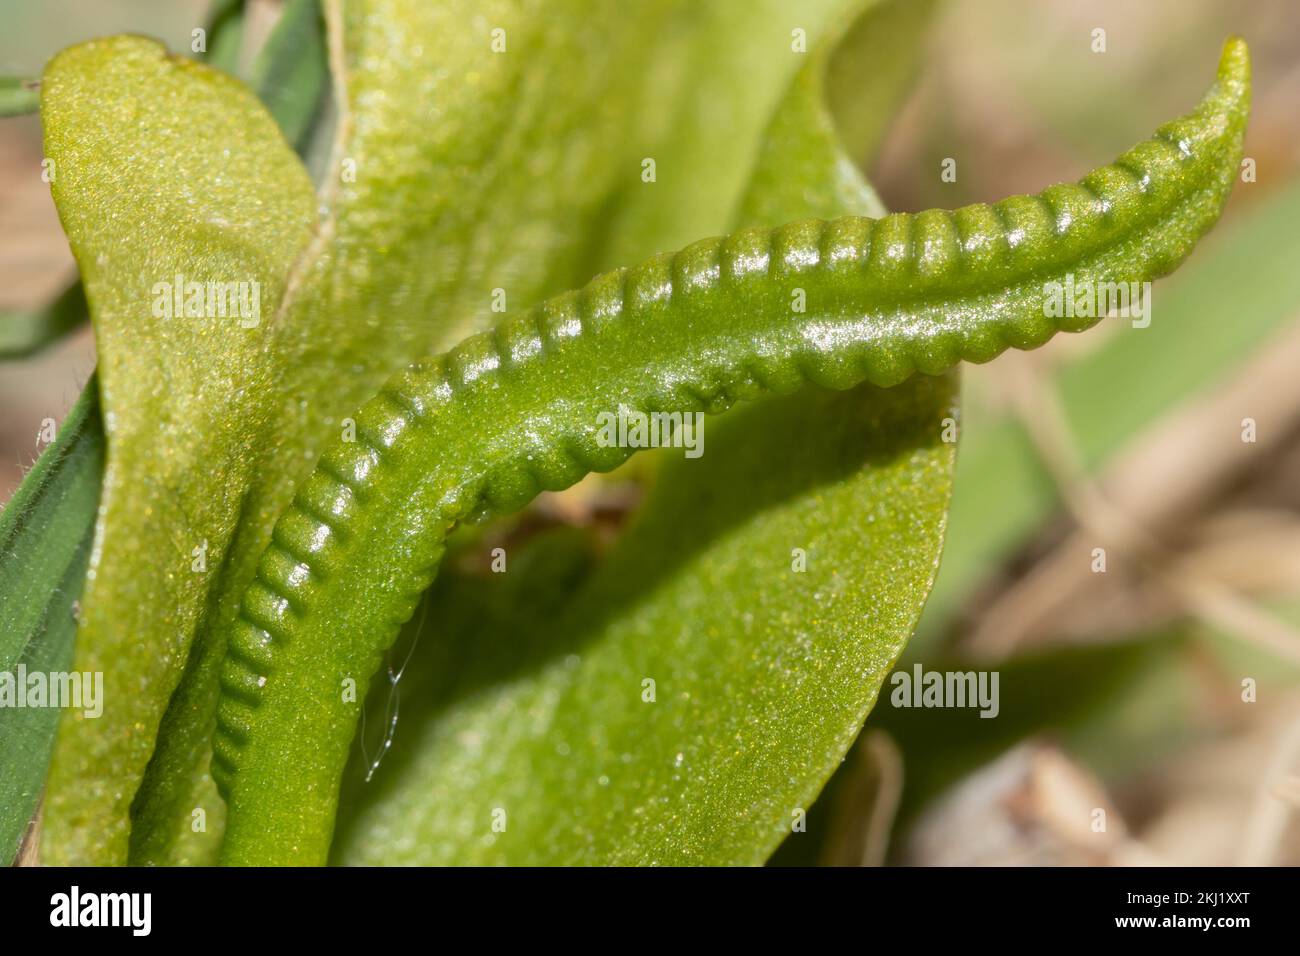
x,y
1149,496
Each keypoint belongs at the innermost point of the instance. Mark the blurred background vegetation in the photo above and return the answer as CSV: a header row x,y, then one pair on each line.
x,y
1164,690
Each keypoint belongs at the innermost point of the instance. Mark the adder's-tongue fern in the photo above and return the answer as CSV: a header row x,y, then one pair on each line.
x,y
514,411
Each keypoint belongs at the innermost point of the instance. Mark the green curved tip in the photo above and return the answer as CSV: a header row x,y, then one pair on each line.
x,y
1234,75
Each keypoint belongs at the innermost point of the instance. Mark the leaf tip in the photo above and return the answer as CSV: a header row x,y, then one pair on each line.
x,y
1234,73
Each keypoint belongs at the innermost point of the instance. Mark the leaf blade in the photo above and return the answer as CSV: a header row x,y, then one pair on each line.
x,y
165,422
44,536
18,96
290,72
25,333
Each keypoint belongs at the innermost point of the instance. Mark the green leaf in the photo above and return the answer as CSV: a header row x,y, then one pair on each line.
x,y
185,431
867,79
23,333
719,71
290,73
226,35
535,705
18,96
762,676
44,537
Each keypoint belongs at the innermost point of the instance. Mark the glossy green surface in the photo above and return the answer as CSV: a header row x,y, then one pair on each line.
x,y
1111,394
763,672
513,411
